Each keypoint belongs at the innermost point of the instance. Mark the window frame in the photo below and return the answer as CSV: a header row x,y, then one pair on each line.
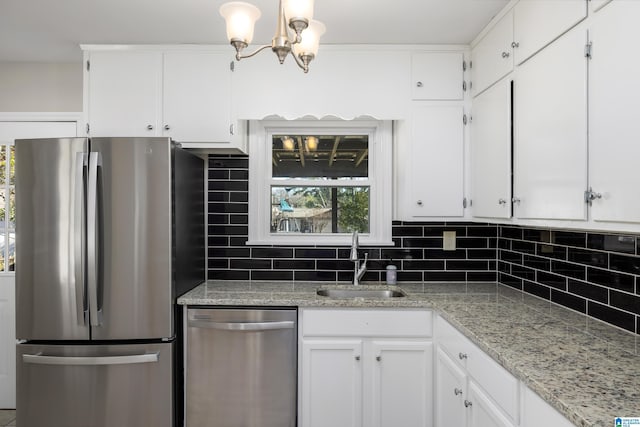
x,y
380,180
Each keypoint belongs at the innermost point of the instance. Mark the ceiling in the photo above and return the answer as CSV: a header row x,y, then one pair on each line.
x,y
51,30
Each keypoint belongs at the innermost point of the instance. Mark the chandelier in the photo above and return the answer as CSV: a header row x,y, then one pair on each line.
x,y
293,15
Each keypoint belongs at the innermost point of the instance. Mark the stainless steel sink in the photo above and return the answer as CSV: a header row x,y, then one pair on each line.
x,y
357,292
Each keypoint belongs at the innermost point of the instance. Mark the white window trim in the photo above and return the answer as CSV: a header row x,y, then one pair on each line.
x,y
380,173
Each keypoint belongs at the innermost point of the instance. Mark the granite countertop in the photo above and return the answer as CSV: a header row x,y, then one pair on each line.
x,y
586,369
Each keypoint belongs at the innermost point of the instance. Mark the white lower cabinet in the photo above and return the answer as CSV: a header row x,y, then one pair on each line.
x,y
364,379
472,390
460,401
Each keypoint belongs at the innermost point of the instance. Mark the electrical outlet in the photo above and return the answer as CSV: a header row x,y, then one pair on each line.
x,y
448,240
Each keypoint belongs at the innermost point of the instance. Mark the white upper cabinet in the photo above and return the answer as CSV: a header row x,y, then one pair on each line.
x,y
613,114
491,152
437,76
197,96
124,93
492,57
550,146
537,23
437,161
184,94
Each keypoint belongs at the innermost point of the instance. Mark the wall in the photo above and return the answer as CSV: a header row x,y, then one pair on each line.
x,y
40,87
591,272
417,252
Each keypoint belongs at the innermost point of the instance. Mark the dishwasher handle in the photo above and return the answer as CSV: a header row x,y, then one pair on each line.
x,y
204,322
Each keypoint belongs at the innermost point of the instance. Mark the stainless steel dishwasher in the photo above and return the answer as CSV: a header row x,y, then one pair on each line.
x,y
241,367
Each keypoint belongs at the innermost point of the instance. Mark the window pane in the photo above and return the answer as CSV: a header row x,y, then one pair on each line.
x,y
319,209
12,165
12,208
320,157
3,164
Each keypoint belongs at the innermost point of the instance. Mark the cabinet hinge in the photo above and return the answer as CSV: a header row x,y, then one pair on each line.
x,y
87,128
88,65
470,64
464,65
231,129
464,86
464,203
232,66
464,119
587,50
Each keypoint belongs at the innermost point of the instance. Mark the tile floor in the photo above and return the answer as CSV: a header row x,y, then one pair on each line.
x,y
7,417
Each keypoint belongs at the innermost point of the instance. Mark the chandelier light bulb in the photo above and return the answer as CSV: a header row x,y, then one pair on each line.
x,y
241,18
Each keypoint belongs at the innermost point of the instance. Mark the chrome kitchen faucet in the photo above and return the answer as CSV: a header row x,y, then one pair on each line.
x,y
358,269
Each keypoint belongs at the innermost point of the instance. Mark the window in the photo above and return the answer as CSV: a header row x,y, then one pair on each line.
x,y
318,182
7,208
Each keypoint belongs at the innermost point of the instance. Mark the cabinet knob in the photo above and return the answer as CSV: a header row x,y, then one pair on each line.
x,y
378,358
467,404
502,202
357,358
516,200
149,127
515,44
167,127
419,202
462,356
457,391
505,54
419,84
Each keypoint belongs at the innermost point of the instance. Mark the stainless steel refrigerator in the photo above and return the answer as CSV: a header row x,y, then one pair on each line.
x,y
109,232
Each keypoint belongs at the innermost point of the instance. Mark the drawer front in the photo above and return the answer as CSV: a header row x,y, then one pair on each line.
x,y
453,342
367,323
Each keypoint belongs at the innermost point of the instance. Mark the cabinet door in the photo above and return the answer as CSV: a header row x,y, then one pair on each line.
x,y
537,23
437,75
550,96
613,115
481,411
437,163
491,152
450,392
124,93
331,385
197,96
402,384
491,57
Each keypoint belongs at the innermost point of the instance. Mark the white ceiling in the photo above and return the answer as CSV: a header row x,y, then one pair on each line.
x,y
51,30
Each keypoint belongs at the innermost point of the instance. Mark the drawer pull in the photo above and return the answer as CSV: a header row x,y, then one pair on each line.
x,y
357,358
378,358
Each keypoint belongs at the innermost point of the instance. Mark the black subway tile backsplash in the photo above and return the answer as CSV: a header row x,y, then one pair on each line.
x,y
593,273
611,315
582,271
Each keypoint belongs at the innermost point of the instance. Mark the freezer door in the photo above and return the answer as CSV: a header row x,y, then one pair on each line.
x,y
129,238
50,297
94,386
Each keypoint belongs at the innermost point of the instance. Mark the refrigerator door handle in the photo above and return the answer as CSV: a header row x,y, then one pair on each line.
x,y
39,359
93,237
241,326
79,234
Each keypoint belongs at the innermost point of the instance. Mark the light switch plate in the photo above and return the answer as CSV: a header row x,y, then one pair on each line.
x,y
449,240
